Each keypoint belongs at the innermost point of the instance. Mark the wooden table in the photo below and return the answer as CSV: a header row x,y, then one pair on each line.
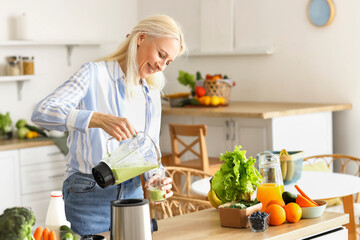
x,y
206,225
317,185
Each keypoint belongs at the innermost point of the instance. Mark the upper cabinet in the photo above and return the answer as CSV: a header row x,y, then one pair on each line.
x,y
219,27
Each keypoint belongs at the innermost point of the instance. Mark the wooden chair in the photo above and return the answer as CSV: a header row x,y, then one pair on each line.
x,y
348,165
201,161
184,199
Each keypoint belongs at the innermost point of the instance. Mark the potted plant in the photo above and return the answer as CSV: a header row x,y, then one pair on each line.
x,y
232,186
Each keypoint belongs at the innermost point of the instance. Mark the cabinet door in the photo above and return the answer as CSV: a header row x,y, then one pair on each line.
x,y
254,135
218,134
9,179
42,169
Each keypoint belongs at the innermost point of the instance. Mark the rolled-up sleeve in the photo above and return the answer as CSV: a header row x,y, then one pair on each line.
x,y
60,110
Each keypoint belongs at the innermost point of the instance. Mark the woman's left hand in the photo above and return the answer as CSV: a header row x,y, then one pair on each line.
x,y
167,186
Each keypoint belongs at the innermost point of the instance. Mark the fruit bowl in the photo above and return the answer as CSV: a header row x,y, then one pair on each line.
x,y
314,212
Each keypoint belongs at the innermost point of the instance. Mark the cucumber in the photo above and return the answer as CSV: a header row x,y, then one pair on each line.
x,y
36,129
67,236
288,197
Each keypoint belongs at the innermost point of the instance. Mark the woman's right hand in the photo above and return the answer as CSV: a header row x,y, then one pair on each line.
x,y
117,127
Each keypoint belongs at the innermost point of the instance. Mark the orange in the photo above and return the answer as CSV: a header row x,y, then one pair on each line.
x,y
277,214
278,202
303,202
293,212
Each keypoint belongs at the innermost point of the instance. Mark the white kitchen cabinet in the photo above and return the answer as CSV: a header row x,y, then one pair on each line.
x,y
311,133
9,179
31,174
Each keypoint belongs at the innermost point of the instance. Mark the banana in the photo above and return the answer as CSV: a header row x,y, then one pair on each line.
x,y
213,199
284,164
290,168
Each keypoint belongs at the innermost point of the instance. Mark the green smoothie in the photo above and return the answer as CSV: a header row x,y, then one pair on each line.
x,y
125,173
157,195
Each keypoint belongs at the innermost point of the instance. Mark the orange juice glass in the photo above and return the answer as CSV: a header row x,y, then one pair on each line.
x,y
269,191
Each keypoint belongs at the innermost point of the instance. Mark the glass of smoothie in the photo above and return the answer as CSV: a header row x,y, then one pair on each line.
x,y
155,184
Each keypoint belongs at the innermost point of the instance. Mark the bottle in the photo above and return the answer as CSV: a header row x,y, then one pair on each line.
x,y
28,65
55,216
272,185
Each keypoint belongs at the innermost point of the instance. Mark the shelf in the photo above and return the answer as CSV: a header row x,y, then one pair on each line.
x,y
19,79
265,50
68,44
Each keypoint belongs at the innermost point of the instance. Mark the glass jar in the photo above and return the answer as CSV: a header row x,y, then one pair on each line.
x,y
272,185
28,65
13,67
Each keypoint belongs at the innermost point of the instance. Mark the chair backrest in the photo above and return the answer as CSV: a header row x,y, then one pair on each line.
x,y
349,164
185,177
198,132
176,205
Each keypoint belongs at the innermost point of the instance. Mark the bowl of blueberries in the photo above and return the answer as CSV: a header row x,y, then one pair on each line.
x,y
258,221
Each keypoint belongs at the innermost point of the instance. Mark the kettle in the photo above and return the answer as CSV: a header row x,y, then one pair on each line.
x,y
131,158
130,220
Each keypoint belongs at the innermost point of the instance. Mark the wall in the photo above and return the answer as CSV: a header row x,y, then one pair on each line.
x,y
310,64
82,20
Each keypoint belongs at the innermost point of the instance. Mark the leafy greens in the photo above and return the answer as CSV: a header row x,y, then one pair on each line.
x,y
237,178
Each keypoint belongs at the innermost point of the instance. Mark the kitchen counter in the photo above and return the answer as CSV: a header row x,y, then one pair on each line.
x,y
206,225
14,143
260,110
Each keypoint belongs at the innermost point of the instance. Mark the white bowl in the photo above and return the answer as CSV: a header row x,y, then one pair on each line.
x,y
314,212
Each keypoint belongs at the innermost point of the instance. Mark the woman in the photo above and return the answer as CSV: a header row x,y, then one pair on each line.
x,y
104,99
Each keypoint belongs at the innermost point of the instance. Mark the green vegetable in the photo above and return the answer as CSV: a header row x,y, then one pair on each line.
x,y
16,223
36,129
187,79
5,123
198,75
22,132
67,236
288,197
21,123
237,178
244,204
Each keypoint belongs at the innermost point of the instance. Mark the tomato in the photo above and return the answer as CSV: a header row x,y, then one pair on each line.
x,y
200,91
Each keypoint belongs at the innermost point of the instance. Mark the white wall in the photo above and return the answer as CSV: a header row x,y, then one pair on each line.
x,y
81,20
310,64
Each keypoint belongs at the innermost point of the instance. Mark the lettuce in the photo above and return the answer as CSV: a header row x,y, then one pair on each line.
x,y
237,178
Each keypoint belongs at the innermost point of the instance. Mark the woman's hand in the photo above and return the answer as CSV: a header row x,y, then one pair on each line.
x,y
166,183
117,127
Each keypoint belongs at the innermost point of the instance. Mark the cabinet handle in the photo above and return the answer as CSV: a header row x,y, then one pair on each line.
x,y
227,135
233,129
56,176
54,153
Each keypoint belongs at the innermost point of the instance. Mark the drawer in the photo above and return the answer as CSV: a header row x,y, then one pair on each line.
x,y
39,203
42,177
41,155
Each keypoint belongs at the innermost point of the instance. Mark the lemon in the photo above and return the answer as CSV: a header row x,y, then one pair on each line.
x,y
215,100
207,100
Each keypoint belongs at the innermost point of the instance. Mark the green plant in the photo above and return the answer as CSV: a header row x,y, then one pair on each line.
x,y
187,79
5,123
16,223
237,178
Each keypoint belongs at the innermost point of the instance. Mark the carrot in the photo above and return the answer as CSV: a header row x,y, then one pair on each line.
x,y
46,234
304,202
305,196
38,233
52,235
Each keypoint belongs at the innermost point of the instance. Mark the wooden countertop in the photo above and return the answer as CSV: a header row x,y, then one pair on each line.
x,y
262,110
13,144
206,225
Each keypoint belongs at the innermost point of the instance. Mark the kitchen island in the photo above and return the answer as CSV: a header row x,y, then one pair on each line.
x,y
259,126
206,225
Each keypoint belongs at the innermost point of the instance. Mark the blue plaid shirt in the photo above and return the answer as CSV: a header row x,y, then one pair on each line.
x,y
96,87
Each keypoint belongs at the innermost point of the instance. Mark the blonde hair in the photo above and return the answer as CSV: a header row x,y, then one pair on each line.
x,y
155,26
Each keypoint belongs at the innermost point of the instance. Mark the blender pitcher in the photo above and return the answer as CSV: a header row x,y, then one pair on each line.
x,y
272,186
133,157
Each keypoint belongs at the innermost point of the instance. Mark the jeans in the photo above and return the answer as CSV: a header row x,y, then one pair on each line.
x,y
87,206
